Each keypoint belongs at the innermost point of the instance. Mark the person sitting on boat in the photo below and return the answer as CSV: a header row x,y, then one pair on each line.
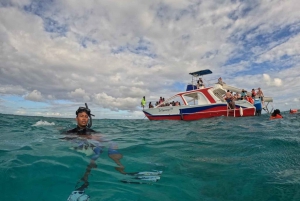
x,y
160,100
250,99
220,81
244,94
150,105
276,114
253,93
235,97
200,83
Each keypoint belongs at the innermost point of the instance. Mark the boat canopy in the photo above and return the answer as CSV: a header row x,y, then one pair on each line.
x,y
201,72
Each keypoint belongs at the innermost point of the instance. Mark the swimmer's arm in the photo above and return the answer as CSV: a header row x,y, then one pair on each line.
x,y
96,137
68,138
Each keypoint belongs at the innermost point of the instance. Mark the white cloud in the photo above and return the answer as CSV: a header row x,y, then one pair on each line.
x,y
35,95
21,112
115,104
272,82
11,89
79,94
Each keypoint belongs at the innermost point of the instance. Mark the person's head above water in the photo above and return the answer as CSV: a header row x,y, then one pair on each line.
x,y
83,117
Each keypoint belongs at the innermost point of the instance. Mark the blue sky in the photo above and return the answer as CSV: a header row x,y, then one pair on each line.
x,y
57,55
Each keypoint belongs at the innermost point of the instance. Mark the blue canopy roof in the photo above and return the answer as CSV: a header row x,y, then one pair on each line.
x,y
201,72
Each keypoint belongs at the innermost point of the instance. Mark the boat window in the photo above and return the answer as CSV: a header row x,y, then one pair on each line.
x,y
191,99
195,99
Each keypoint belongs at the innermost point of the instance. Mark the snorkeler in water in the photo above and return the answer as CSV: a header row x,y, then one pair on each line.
x,y
85,139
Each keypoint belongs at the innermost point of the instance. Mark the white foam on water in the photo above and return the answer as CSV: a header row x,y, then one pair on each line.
x,y
43,123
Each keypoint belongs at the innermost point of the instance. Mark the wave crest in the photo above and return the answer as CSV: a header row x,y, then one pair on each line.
x,y
43,123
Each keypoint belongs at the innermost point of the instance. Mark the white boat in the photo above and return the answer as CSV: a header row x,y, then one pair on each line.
x,y
204,102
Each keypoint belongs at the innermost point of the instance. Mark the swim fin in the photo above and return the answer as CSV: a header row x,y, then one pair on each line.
x,y
146,173
78,196
146,177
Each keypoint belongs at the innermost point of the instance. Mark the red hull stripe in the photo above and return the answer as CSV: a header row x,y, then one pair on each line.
x,y
208,96
202,115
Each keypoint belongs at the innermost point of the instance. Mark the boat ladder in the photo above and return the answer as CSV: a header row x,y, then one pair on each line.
x,y
230,109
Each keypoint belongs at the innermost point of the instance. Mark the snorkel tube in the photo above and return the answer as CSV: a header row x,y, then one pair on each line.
x,y
90,116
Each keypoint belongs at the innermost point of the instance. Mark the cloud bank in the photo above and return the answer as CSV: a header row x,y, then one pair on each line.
x,y
111,53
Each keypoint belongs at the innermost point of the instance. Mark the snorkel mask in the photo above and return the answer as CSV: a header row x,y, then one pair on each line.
x,y
88,111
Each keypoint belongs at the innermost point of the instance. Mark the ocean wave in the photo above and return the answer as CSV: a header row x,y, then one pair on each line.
x,y
43,123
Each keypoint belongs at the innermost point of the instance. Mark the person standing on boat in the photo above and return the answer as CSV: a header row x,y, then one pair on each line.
x,y
260,95
229,99
143,102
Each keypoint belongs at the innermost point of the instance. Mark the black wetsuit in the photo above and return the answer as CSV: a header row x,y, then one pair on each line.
x,y
81,131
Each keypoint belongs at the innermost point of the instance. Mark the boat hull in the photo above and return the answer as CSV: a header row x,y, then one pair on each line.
x,y
191,113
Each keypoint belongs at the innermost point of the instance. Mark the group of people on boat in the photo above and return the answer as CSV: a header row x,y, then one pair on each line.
x,y
159,102
162,100
230,97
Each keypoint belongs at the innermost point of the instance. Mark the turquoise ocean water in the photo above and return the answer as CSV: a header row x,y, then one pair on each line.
x,y
217,159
